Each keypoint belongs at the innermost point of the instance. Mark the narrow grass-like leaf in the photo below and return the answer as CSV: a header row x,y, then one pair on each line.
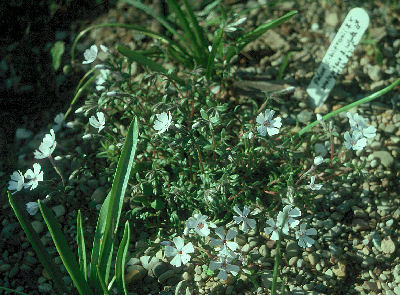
x,y
254,34
80,240
98,235
101,282
37,245
65,251
144,61
117,194
142,30
211,56
79,90
198,31
284,65
149,11
120,262
196,48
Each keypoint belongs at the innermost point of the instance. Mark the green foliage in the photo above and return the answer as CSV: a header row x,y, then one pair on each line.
x,y
57,52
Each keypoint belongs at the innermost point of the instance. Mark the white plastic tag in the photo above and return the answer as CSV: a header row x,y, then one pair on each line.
x,y
339,52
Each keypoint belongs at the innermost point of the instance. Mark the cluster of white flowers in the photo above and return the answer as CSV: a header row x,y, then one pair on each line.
x,y
360,131
225,246
32,177
47,146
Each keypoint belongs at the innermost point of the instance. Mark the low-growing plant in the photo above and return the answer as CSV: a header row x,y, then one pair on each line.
x,y
200,151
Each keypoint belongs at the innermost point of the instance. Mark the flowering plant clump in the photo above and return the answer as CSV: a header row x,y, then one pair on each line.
x,y
198,165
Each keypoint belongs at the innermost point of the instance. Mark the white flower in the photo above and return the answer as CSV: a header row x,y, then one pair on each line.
x,y
101,79
272,228
32,207
359,124
267,124
292,212
313,186
180,252
243,218
354,141
199,223
17,181
47,146
225,239
224,266
318,160
303,236
59,120
33,176
90,54
98,123
162,122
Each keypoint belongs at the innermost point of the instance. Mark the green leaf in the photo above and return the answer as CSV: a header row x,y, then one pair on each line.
x,y
284,65
37,245
117,194
211,56
93,277
80,240
56,53
64,250
157,204
101,282
150,11
144,61
253,35
203,114
197,50
120,262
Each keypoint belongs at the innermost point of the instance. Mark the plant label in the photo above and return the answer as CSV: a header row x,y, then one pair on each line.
x,y
339,52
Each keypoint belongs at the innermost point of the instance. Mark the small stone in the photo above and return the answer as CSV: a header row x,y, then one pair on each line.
x,y
166,275
385,157
292,249
340,270
329,273
186,276
374,72
331,19
59,210
98,196
388,246
304,116
266,279
371,286
37,226
359,224
133,261
135,273
313,258
159,268
293,261
263,251
181,288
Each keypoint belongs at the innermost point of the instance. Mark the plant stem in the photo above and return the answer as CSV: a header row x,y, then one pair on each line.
x,y
350,106
276,266
57,170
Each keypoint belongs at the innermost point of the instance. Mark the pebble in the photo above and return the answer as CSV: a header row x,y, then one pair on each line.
x,y
181,287
263,250
159,268
304,116
385,158
59,210
98,196
388,246
135,273
359,224
313,258
292,249
166,275
37,226
5,267
293,261
331,19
